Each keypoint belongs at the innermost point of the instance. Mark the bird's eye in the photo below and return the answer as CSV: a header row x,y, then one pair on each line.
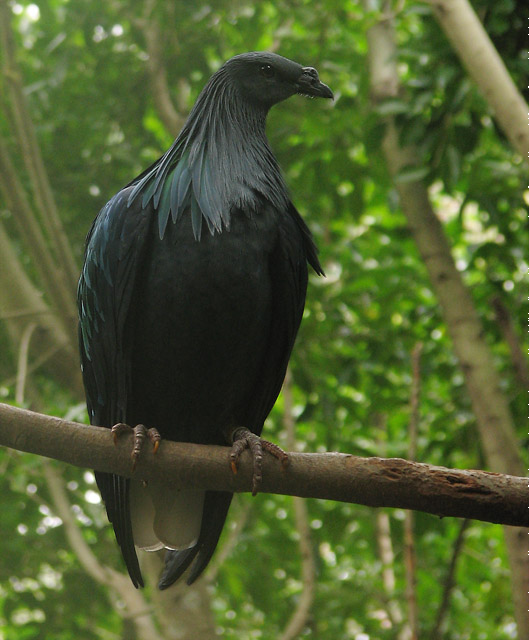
x,y
267,70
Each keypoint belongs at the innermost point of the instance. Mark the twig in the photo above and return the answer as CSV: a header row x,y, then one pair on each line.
x,y
387,558
506,325
118,584
385,543
410,562
24,313
22,369
299,617
240,518
449,582
62,508
19,293
413,428
171,117
38,362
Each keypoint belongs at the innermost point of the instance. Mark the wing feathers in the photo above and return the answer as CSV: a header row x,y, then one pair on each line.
x,y
106,286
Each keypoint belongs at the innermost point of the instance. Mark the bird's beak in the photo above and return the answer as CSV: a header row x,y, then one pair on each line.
x,y
309,84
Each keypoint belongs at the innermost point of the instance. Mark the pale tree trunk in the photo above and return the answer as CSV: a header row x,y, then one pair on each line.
x,y
493,417
483,63
183,612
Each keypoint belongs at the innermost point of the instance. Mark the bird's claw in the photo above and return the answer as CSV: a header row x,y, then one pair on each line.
x,y
242,439
140,432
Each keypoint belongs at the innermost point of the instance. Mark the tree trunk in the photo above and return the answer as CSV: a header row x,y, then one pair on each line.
x,y
183,612
483,63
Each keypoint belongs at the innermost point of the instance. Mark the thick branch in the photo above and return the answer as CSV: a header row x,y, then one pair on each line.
x,y
490,406
476,51
375,482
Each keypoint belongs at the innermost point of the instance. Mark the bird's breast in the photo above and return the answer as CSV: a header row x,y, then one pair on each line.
x,y
201,327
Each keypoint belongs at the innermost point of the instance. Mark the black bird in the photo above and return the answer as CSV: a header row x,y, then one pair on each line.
x,y
190,298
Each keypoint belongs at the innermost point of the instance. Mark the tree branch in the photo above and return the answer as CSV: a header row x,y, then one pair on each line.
x,y
449,583
476,51
506,325
22,369
172,118
118,584
387,560
375,482
62,508
239,520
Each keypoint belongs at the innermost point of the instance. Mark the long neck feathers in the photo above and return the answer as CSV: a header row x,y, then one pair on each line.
x,y
220,162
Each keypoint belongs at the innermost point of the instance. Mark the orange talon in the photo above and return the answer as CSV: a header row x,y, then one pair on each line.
x,y
241,439
139,431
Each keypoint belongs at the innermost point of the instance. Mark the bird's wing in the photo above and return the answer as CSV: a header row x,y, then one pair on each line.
x,y
288,270
115,246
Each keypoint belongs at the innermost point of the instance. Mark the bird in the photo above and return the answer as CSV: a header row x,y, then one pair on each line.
x,y
190,298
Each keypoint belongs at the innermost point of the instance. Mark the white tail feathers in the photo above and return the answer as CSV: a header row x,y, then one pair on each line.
x,y
163,518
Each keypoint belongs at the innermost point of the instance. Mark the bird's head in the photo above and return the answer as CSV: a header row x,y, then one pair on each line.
x,y
264,78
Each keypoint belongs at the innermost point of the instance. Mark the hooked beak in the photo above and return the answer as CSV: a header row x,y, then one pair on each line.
x,y
309,84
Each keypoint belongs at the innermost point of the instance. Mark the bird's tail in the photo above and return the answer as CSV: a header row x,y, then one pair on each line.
x,y
216,505
162,518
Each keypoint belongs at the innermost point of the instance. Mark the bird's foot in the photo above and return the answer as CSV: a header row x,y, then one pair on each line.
x,y
242,438
140,433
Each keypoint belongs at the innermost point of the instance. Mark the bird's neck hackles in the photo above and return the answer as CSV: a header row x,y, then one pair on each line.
x,y
220,162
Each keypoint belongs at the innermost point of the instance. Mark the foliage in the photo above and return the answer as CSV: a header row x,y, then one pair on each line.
x,y
86,78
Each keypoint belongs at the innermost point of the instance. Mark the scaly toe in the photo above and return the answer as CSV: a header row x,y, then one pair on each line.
x,y
242,439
